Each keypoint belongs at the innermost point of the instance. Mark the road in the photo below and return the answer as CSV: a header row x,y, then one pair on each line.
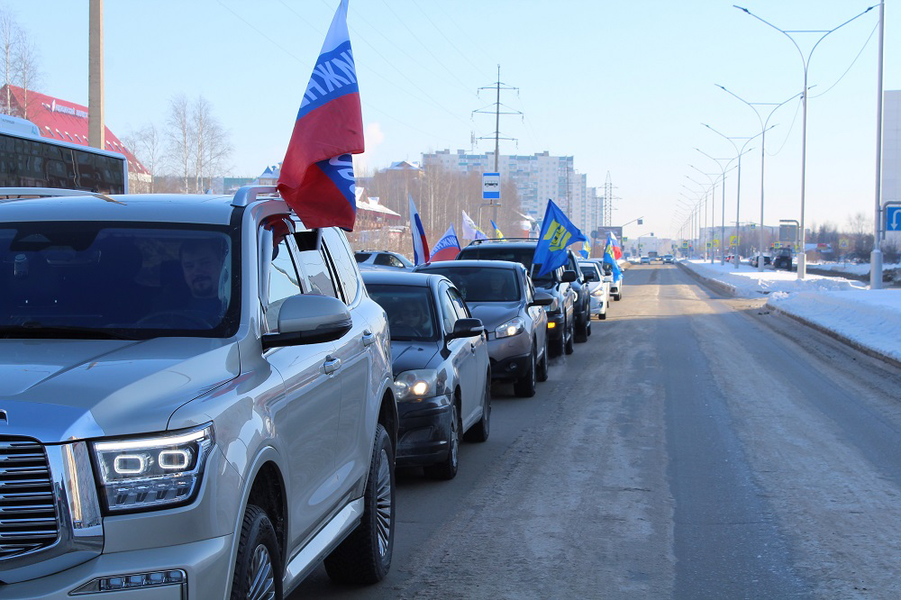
x,y
695,447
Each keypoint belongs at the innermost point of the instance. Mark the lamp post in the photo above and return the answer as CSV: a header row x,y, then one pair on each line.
x,y
805,63
738,186
700,198
712,205
876,254
764,127
723,215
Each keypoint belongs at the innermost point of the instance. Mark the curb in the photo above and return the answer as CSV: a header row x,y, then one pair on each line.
x,y
719,286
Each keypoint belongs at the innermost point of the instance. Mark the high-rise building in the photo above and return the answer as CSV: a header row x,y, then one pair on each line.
x,y
538,178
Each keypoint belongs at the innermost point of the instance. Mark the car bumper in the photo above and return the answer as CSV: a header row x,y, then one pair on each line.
x,y
555,323
423,431
597,305
510,368
206,565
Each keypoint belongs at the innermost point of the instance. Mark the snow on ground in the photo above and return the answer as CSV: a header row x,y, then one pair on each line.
x,y
868,318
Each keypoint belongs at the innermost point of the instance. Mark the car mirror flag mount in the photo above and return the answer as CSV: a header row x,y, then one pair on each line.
x,y
557,233
316,177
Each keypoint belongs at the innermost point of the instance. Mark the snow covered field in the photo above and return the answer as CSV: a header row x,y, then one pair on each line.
x,y
868,318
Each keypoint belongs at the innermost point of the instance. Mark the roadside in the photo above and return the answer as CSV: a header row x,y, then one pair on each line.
x,y
868,320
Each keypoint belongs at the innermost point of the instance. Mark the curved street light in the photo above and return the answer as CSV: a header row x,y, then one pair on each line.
x,y
712,188
805,63
724,169
764,127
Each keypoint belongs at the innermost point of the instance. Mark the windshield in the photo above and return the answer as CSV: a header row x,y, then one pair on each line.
x,y
522,255
590,272
481,284
411,315
116,280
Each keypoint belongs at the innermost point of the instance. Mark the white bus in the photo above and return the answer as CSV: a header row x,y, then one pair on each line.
x,y
29,160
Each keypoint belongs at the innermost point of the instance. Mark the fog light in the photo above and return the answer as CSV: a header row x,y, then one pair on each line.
x,y
132,581
551,325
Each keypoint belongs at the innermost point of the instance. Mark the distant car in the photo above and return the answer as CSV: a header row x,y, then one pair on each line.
x,y
783,259
616,285
668,259
598,288
753,261
441,369
500,293
557,283
645,260
382,260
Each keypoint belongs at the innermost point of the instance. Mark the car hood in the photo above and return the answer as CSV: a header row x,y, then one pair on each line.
x,y
493,314
59,390
406,356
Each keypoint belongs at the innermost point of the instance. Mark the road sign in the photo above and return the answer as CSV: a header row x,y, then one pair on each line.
x,y
843,243
893,218
733,240
491,186
716,243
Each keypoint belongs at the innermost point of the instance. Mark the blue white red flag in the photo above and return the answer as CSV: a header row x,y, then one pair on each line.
x,y
317,178
448,247
610,256
557,232
420,245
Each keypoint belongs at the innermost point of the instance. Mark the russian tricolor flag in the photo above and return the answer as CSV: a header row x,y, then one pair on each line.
x,y
448,247
317,178
420,245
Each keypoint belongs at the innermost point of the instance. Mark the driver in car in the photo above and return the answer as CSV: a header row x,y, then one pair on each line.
x,y
411,320
201,264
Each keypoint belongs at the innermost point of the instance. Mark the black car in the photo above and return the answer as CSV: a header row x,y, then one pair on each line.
x,y
582,305
442,376
782,259
501,294
561,312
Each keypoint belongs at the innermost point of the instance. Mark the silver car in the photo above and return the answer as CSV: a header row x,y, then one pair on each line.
x,y
196,400
502,295
598,288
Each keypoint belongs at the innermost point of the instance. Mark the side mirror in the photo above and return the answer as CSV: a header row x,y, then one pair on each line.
x,y
542,299
466,328
309,319
569,276
608,278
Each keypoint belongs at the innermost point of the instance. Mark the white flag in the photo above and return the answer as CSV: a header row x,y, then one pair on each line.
x,y
471,231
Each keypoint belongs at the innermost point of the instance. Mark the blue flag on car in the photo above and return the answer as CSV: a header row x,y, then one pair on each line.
x,y
610,257
557,232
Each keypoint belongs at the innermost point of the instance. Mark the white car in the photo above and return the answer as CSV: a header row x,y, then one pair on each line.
x,y
616,285
369,260
598,287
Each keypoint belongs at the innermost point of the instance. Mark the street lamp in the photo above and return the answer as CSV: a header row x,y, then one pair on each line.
x,y
764,127
876,254
738,186
700,198
712,187
805,63
724,169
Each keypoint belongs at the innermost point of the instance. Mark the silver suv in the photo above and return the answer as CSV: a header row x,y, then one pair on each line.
x,y
195,399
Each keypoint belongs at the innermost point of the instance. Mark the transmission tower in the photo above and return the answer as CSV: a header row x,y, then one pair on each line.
x,y
497,86
607,202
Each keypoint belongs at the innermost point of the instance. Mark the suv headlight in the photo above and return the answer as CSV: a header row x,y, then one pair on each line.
x,y
512,327
152,472
420,383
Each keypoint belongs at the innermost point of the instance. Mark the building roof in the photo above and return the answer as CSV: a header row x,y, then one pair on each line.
x,y
64,121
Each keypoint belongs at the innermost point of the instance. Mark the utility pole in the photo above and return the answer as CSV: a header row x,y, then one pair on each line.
x,y
96,130
497,86
607,206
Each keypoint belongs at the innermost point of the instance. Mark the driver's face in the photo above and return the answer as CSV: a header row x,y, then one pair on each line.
x,y
411,316
201,269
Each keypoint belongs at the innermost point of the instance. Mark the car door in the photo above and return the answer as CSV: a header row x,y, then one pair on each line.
x,y
311,388
475,365
537,315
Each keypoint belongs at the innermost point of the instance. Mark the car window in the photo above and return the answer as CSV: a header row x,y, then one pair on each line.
x,y
482,284
388,260
448,311
410,311
345,268
278,274
362,256
460,307
315,269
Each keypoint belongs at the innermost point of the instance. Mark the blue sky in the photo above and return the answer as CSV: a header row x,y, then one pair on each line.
x,y
622,86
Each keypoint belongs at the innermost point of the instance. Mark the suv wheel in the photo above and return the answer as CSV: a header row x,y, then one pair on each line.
x,y
524,387
479,432
364,557
447,469
568,346
582,331
258,565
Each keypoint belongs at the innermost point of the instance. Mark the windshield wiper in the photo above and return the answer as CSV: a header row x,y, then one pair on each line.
x,y
34,329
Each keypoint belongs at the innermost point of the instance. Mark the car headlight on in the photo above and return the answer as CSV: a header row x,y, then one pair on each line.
x,y
420,383
598,293
153,472
514,326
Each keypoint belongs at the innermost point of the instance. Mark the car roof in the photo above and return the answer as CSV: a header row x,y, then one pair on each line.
x,y
400,278
466,263
491,243
151,208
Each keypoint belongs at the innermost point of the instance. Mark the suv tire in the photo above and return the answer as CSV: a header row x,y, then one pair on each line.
x,y
568,345
582,332
524,387
447,469
479,432
364,557
542,373
258,568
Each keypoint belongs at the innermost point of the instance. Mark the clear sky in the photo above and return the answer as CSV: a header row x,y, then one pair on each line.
x,y
623,86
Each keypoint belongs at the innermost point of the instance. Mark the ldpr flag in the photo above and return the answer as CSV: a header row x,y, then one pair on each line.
x,y
557,232
420,245
585,252
317,177
497,232
471,231
448,247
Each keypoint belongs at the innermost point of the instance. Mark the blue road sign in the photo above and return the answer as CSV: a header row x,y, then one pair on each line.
x,y
893,218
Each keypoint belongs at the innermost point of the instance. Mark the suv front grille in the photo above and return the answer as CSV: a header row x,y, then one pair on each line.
x,y
27,510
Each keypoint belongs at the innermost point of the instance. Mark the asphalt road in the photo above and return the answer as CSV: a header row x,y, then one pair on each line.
x,y
695,447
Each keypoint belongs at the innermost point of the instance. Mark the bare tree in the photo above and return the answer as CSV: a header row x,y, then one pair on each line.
x,y
211,144
180,136
147,145
27,72
10,34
